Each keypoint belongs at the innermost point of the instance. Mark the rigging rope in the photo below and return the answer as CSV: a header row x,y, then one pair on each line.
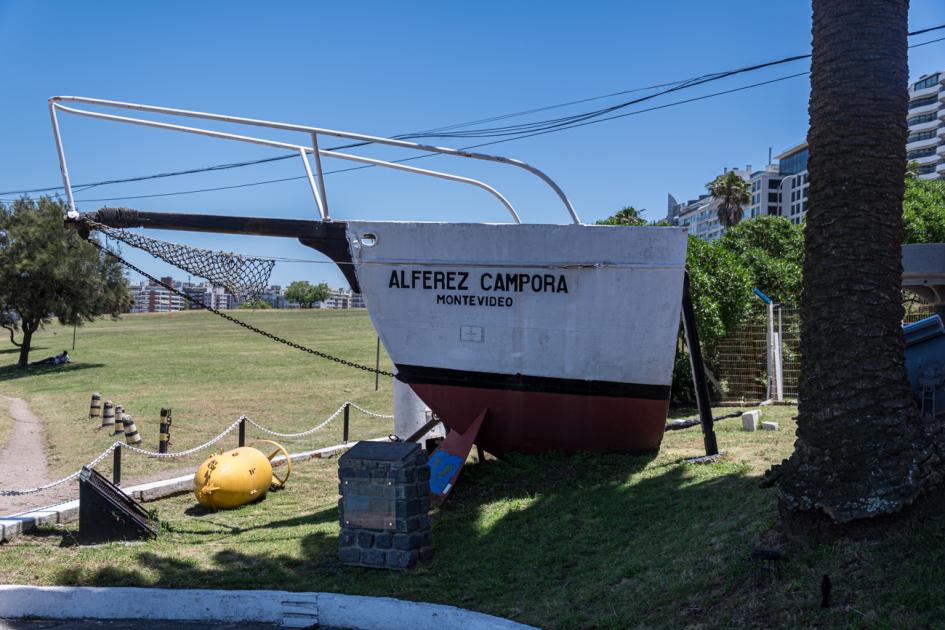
x,y
230,318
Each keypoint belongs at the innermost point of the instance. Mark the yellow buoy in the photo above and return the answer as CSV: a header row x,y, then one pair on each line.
x,y
233,478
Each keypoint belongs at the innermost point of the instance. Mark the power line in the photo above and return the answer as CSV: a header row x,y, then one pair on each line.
x,y
516,131
466,148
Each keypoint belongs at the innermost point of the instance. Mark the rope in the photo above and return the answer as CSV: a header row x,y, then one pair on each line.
x,y
238,322
154,454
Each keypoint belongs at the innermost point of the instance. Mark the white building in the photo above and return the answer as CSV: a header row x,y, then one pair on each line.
x,y
343,298
765,193
154,298
701,215
926,143
795,182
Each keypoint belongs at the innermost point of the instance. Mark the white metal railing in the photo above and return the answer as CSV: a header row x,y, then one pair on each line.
x,y
315,179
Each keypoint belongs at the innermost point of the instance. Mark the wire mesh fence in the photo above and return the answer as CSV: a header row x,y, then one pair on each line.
x,y
741,361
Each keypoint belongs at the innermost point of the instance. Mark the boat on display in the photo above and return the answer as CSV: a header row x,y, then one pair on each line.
x,y
564,335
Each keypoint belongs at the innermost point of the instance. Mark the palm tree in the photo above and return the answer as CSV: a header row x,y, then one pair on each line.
x,y
862,449
628,215
732,192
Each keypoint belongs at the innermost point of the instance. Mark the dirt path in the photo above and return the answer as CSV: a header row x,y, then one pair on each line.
x,y
23,458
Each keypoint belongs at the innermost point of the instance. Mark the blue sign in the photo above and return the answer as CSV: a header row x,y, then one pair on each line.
x,y
443,467
764,297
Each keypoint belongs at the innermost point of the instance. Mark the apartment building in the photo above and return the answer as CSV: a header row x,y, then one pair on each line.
x,y
926,143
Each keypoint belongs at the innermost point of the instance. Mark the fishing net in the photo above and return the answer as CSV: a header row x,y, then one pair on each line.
x,y
243,276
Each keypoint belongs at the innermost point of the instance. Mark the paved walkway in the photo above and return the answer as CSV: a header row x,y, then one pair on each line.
x,y
24,453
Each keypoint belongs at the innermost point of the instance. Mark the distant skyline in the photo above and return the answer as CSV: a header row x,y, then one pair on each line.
x,y
386,68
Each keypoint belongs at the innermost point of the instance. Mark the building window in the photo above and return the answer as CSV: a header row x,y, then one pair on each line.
x,y
806,178
926,82
922,135
918,120
922,102
920,153
772,197
773,184
925,169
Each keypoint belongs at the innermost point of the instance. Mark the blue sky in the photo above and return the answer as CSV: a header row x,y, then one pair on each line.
x,y
386,68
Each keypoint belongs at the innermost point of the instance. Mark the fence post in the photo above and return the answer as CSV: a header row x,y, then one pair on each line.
x,y
377,364
344,437
242,431
165,430
116,465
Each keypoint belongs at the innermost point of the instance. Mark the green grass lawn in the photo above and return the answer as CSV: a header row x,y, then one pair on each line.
x,y
557,541
208,371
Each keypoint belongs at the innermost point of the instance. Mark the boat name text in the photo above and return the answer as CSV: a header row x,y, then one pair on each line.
x,y
492,282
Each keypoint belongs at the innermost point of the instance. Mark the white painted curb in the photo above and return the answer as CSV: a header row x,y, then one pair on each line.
x,y
295,610
13,526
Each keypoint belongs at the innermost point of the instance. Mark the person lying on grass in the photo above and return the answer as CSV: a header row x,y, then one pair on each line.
x,y
59,359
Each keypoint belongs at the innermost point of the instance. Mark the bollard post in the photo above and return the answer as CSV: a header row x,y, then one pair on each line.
x,y
95,408
116,466
108,415
165,430
344,436
242,431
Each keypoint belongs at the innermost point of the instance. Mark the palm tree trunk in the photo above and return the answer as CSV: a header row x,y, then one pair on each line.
x,y
862,448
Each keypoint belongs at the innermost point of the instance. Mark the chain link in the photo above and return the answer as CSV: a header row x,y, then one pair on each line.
x,y
92,464
238,322
191,451
371,413
156,455
318,427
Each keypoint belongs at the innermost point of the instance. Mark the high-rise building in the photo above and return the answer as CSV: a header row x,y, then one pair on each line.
x,y
926,143
783,189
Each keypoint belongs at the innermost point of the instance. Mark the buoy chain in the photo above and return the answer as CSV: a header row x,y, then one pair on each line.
x,y
238,322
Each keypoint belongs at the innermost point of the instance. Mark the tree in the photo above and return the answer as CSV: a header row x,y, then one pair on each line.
x,y
862,448
721,297
306,294
48,271
732,192
923,211
627,215
771,249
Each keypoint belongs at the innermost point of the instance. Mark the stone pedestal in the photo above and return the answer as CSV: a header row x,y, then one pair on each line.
x,y
384,505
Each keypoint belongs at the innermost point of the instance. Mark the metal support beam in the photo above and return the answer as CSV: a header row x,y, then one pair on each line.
x,y
697,364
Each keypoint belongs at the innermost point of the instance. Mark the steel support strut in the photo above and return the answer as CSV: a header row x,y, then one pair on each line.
x,y
700,384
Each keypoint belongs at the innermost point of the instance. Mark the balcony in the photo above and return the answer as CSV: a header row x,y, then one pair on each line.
x,y
926,109
940,168
926,126
928,159
922,144
929,91
941,149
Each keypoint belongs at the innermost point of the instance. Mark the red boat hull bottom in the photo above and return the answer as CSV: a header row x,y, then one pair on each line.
x,y
531,421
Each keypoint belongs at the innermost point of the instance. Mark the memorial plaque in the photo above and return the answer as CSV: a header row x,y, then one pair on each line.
x,y
384,505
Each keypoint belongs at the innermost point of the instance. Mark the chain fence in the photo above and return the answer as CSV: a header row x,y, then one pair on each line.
x,y
180,454
740,366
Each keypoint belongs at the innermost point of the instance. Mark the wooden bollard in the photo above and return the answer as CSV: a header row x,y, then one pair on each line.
x,y
108,415
131,430
95,409
164,439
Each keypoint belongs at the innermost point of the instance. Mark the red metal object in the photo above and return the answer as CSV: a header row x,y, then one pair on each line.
x,y
532,422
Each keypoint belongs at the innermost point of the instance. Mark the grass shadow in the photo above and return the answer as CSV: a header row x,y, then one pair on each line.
x,y
13,372
524,537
